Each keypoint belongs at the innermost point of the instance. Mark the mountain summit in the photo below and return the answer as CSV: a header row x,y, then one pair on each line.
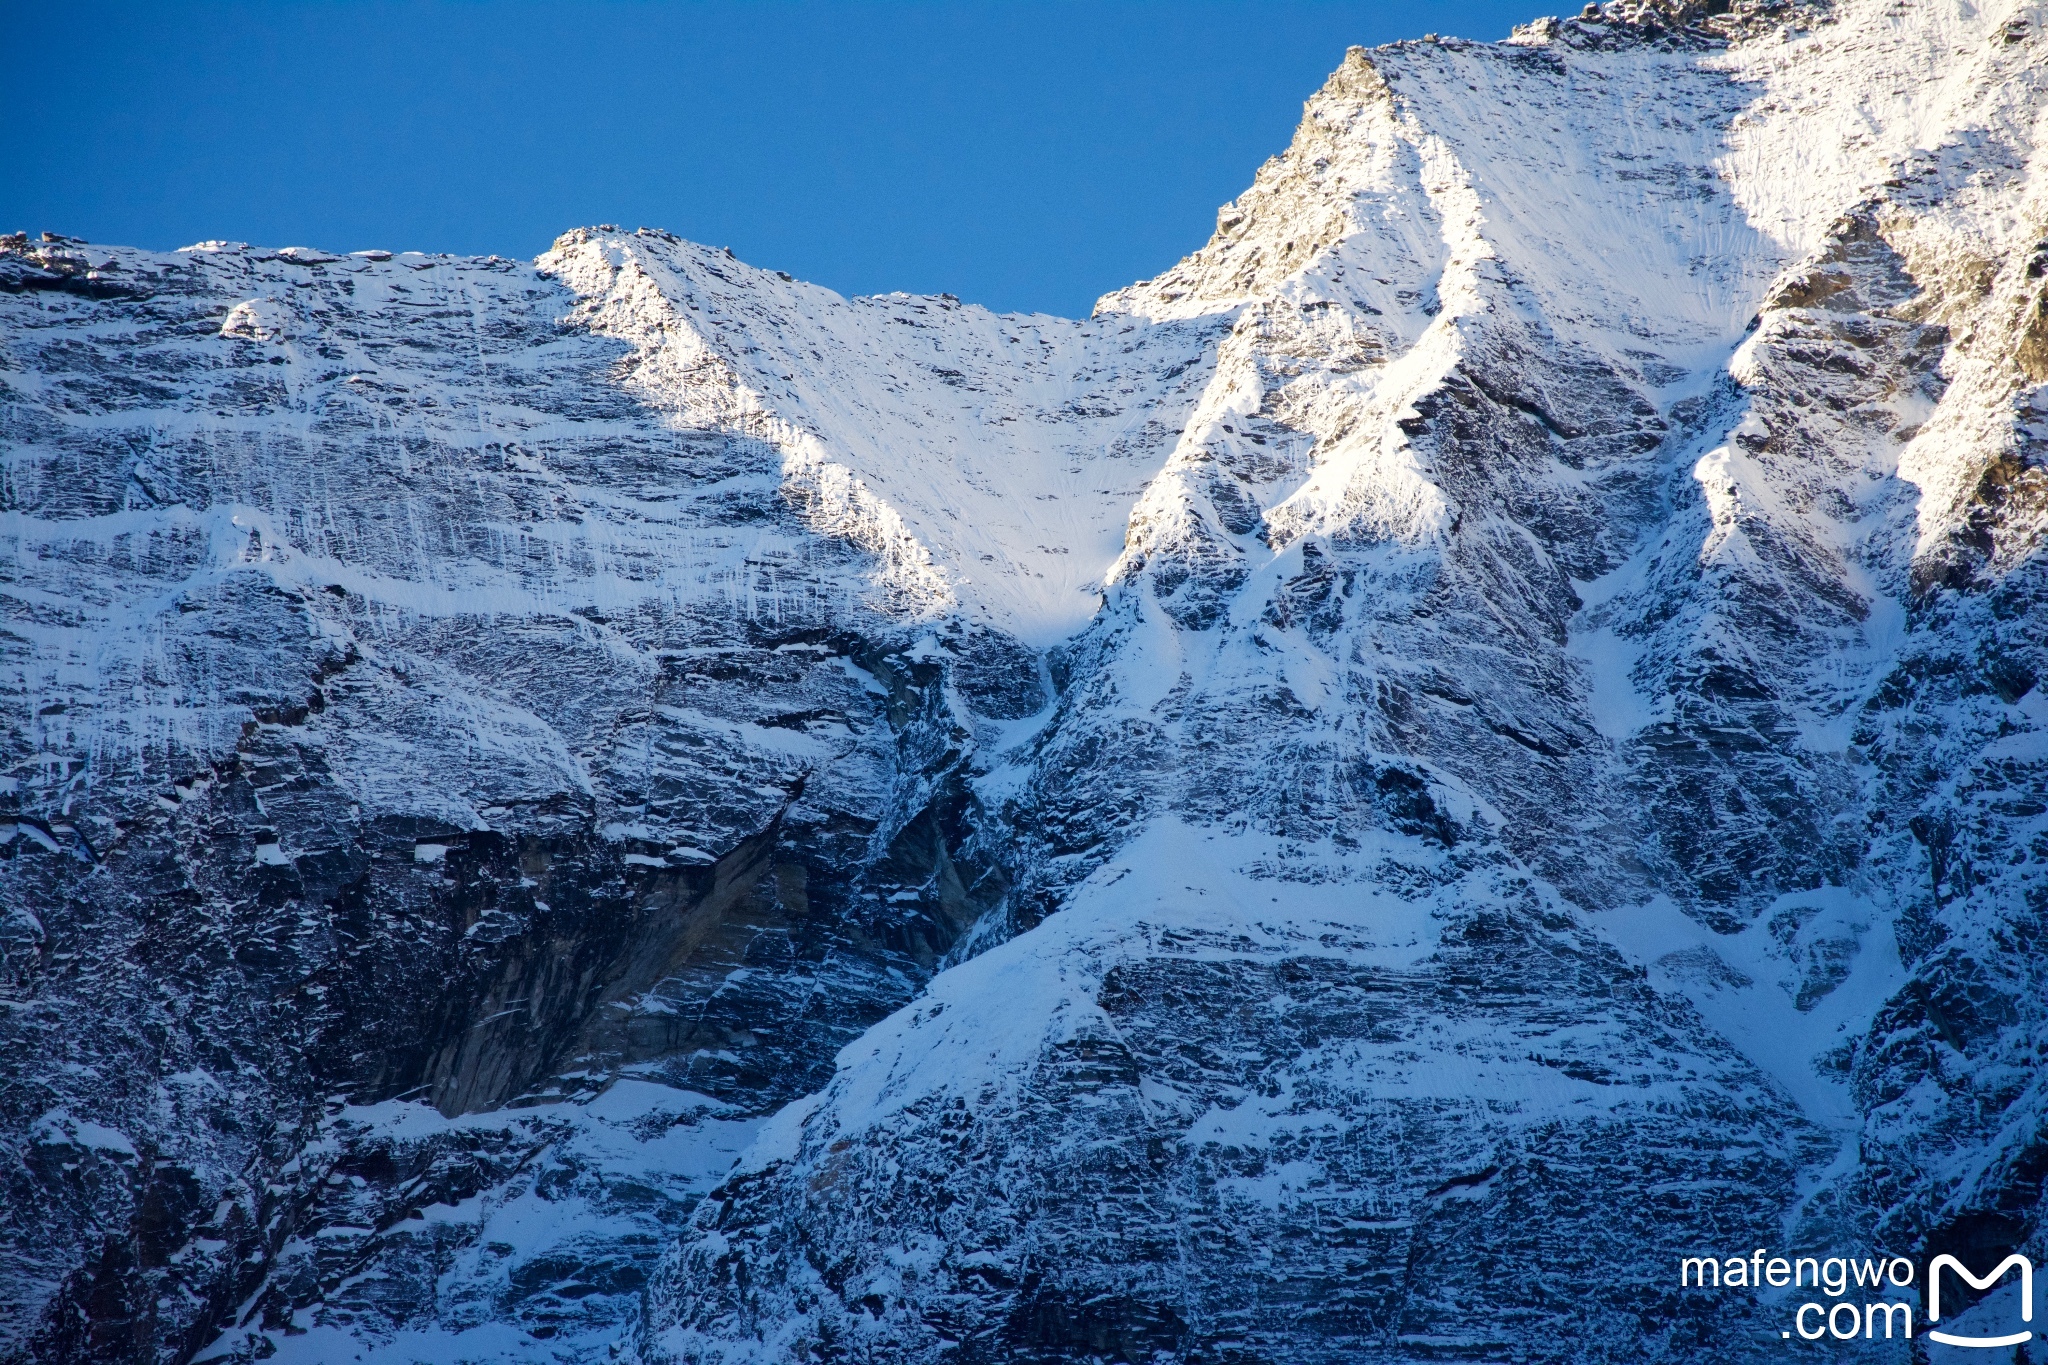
x,y
1474,738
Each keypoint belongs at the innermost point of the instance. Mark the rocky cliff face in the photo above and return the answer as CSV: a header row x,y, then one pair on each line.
x,y
1475,736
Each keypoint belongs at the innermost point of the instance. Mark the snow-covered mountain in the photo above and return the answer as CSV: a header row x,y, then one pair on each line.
x,y
1476,736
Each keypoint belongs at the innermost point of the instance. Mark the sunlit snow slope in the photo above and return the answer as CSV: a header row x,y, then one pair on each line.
x,y
988,461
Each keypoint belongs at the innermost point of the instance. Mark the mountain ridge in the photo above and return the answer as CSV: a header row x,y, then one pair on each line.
x,y
1194,833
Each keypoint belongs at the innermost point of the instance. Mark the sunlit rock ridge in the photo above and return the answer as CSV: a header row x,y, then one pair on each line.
x,y
1477,735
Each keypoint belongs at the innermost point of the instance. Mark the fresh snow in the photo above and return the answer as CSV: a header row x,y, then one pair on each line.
x,y
1628,208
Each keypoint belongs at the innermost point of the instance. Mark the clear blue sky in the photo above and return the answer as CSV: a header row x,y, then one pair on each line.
x,y
1023,156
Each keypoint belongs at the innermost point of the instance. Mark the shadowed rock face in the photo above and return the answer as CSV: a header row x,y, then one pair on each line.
x,y
1475,737
1233,1160
364,745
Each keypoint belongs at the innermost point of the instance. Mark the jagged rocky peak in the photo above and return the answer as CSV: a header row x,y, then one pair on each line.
x,y
630,805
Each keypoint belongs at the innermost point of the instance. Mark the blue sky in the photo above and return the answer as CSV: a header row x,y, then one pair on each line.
x,y
1025,156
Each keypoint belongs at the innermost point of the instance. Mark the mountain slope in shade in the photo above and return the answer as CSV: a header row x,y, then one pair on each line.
x,y
1484,720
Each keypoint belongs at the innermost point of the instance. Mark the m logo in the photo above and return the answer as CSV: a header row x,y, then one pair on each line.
x,y
2026,1298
